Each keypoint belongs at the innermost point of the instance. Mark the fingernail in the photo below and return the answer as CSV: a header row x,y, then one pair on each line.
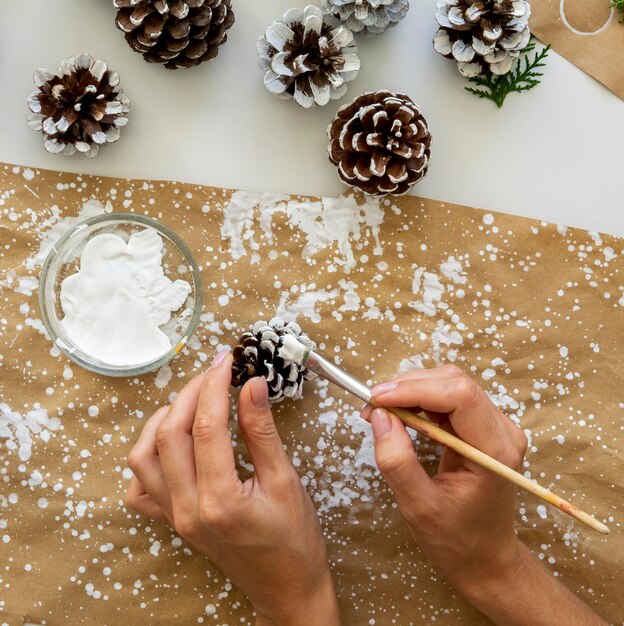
x,y
219,358
259,392
380,421
379,390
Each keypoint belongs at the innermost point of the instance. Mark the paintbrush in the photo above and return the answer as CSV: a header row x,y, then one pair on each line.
x,y
295,351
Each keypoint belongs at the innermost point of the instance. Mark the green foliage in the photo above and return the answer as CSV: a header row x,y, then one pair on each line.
x,y
618,4
522,78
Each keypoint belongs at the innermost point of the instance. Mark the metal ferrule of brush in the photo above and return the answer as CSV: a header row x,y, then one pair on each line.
x,y
322,367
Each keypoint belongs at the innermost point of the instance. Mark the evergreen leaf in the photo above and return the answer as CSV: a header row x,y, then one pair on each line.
x,y
523,77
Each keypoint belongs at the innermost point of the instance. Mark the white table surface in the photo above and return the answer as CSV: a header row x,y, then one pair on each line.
x,y
555,153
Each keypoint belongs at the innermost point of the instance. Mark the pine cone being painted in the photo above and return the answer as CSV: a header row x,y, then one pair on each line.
x,y
256,355
370,17
177,33
80,108
380,143
309,56
482,35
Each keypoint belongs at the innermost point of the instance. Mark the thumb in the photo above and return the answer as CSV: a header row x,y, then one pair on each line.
x,y
259,432
394,453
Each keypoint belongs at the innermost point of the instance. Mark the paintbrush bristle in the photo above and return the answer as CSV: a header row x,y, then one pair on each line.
x,y
293,350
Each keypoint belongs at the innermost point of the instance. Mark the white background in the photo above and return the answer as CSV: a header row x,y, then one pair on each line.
x,y
555,153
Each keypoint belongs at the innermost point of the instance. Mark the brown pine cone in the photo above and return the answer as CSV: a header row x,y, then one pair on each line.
x,y
80,108
380,143
482,35
177,33
257,355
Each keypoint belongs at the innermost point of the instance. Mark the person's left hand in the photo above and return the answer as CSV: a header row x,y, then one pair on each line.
x,y
264,533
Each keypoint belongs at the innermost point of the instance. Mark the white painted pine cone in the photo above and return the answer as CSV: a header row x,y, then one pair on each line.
x,y
482,35
369,17
309,56
80,108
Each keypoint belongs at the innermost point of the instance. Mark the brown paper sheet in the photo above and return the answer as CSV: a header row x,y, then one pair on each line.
x,y
587,33
532,310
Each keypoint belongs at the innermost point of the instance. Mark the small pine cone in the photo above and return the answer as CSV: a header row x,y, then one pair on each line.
x,y
256,355
309,56
482,35
369,17
80,108
380,143
177,33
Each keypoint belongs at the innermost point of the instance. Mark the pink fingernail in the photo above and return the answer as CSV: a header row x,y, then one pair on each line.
x,y
380,421
259,392
379,390
219,358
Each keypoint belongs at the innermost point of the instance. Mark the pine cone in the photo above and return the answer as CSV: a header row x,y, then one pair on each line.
x,y
256,355
370,17
178,33
380,143
482,35
81,107
309,56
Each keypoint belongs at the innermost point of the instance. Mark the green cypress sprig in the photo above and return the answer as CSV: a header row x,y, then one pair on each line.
x,y
618,4
524,77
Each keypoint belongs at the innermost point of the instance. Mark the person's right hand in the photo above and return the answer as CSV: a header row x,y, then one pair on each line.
x,y
463,517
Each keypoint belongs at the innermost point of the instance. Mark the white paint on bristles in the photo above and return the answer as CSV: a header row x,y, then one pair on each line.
x,y
293,350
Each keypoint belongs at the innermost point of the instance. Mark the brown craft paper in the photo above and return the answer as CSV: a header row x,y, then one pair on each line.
x,y
587,33
532,310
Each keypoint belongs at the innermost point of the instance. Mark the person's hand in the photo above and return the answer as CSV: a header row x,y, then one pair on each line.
x,y
463,517
263,533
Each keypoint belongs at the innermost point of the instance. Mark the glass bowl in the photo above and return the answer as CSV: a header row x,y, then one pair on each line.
x,y
64,260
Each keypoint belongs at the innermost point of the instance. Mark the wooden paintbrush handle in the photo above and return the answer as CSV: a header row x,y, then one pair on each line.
x,y
431,430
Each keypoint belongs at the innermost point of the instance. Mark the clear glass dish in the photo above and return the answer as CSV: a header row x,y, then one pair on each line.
x,y
64,260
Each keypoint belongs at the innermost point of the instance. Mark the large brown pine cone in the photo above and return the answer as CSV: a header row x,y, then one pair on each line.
x,y
482,35
380,143
177,33
257,355
80,108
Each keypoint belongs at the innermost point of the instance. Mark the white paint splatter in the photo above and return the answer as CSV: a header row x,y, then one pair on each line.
x,y
155,548
432,291
163,377
304,304
19,432
325,223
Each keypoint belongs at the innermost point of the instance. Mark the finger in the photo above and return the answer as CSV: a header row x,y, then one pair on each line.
x,y
436,418
214,457
444,371
141,501
258,429
175,449
394,453
144,462
474,418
